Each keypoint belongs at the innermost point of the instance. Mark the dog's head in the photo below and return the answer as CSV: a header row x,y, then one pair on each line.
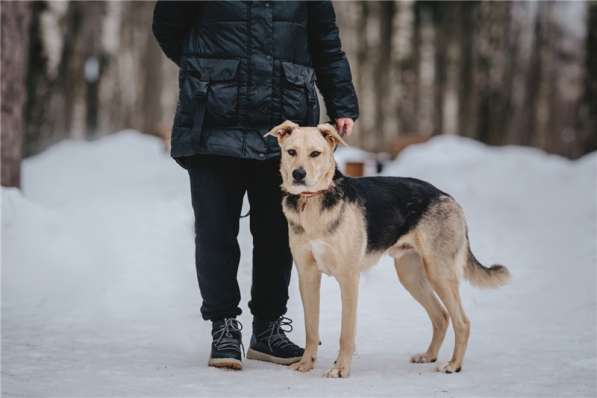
x,y
307,163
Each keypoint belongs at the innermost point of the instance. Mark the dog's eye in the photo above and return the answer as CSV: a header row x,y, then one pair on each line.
x,y
291,152
315,154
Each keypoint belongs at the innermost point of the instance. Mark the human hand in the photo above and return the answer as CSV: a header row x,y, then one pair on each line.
x,y
344,126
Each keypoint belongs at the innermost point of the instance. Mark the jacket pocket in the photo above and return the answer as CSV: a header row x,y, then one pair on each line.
x,y
299,99
190,110
213,86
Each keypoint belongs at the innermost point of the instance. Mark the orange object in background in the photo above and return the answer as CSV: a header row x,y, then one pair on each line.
x,y
355,169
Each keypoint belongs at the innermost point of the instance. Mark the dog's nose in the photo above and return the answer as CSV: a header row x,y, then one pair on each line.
x,y
299,174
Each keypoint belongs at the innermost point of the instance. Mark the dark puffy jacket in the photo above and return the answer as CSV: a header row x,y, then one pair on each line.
x,y
247,66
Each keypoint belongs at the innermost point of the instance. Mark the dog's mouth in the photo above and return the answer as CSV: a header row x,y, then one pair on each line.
x,y
297,187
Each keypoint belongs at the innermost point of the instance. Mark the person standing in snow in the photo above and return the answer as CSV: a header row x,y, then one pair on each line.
x,y
244,68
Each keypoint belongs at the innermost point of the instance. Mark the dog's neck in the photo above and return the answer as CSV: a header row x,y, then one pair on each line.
x,y
309,194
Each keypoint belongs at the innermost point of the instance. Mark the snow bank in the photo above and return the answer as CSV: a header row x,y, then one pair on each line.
x,y
99,291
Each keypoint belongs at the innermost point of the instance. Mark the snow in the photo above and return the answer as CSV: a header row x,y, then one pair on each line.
x,y
99,293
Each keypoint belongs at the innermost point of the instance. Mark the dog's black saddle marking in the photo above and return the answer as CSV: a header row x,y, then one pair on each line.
x,y
392,206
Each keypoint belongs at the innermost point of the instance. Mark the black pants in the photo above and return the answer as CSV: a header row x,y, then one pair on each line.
x,y
218,185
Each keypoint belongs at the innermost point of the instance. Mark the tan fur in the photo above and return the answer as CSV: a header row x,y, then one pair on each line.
x,y
305,141
483,277
430,260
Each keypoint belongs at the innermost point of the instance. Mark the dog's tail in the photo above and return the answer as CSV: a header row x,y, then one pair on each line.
x,y
483,277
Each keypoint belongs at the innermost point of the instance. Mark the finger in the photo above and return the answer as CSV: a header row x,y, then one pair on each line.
x,y
349,128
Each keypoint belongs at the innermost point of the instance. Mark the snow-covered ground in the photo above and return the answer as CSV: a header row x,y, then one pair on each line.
x,y
99,292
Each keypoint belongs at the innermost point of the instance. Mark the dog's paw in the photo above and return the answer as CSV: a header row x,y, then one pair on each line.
x,y
423,358
337,371
449,367
304,365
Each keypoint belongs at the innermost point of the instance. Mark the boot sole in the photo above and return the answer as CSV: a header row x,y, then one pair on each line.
x,y
261,356
228,363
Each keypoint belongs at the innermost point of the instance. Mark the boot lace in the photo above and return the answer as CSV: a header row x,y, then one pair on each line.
x,y
223,338
277,337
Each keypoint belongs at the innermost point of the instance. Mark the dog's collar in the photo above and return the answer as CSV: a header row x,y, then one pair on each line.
x,y
300,205
307,194
294,200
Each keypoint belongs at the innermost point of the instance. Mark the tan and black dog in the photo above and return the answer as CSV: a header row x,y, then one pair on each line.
x,y
341,226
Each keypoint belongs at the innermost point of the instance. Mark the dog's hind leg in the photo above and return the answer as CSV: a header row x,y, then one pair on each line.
x,y
412,276
441,243
447,290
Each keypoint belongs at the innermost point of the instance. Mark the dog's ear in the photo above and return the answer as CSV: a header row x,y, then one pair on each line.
x,y
331,135
282,131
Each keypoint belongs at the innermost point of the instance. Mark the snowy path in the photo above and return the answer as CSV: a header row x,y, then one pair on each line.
x,y
99,291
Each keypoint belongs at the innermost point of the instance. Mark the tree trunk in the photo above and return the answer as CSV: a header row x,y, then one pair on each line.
x,y
495,78
467,32
15,23
440,67
535,75
362,55
382,74
152,84
416,59
408,68
589,108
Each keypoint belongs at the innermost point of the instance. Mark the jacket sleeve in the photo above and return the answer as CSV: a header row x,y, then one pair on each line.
x,y
331,66
171,22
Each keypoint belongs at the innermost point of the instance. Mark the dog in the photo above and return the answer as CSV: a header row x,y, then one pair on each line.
x,y
341,226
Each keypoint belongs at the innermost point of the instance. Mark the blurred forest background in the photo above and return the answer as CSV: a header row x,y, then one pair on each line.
x,y
521,73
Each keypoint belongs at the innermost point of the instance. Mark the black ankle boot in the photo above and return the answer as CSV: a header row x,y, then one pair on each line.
x,y
270,343
227,346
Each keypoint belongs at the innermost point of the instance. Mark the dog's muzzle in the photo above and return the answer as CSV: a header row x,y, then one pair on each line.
x,y
298,176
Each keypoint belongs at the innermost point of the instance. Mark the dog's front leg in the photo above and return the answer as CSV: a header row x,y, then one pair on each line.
x,y
349,289
309,283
